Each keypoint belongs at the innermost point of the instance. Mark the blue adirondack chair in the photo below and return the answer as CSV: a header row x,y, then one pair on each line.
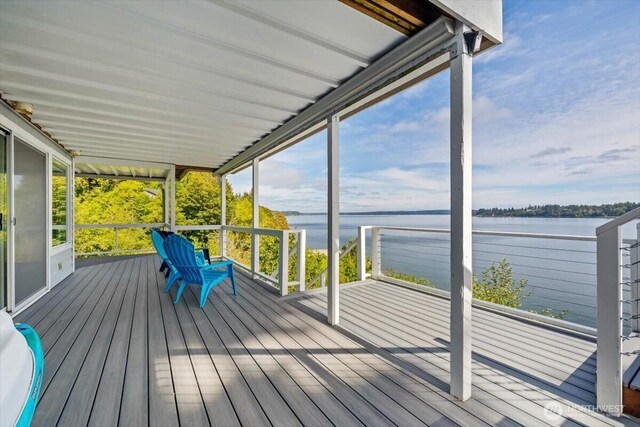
x,y
158,243
183,257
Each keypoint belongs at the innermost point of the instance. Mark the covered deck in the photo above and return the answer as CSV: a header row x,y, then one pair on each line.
x,y
118,351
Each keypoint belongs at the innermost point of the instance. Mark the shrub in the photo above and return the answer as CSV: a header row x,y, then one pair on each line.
x,y
408,277
497,285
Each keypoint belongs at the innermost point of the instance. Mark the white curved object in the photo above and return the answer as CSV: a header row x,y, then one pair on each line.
x,y
16,371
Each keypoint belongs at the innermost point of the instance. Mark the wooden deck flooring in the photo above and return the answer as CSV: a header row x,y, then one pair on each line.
x,y
119,352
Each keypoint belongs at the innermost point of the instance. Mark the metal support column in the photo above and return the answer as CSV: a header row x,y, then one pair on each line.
x,y
333,217
461,270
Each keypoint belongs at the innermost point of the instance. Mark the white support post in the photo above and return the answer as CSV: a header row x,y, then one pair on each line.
x,y
283,265
609,321
172,197
301,268
635,282
362,253
71,216
255,239
222,179
165,200
333,219
461,269
376,253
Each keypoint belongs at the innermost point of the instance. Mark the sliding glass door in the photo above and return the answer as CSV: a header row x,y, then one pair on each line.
x,y
4,140
30,213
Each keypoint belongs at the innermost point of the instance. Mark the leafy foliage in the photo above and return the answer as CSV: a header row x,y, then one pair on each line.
x,y
498,285
408,277
349,265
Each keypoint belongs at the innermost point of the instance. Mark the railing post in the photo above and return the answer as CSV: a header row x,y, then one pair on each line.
x,y
223,215
375,253
172,204
635,281
302,260
609,318
362,253
283,263
333,219
255,239
116,247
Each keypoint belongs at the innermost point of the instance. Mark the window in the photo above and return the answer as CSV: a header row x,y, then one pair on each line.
x,y
59,202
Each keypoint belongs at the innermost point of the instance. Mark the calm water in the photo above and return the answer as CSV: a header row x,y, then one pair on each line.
x,y
560,273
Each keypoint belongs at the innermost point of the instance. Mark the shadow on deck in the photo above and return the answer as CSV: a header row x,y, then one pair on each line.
x,y
119,352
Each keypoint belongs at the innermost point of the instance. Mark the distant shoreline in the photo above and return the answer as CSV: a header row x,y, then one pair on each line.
x,y
542,211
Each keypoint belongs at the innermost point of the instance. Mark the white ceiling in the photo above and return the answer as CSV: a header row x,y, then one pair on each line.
x,y
98,167
187,83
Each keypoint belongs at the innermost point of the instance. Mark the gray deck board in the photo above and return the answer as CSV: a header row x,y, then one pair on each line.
x,y
83,394
109,392
119,352
551,368
38,310
161,406
527,340
134,410
267,311
57,390
274,406
532,388
279,368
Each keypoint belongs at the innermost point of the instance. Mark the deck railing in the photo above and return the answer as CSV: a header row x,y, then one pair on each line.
x,y
115,242
560,269
618,297
291,246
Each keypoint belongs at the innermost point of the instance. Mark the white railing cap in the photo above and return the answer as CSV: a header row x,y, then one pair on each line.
x,y
621,220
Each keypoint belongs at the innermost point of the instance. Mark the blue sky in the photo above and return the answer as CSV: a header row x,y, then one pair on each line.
x,y
556,120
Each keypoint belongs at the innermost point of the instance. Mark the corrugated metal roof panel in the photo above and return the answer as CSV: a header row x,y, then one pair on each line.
x,y
190,83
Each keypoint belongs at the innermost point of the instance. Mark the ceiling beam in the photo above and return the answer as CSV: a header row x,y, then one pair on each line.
x,y
120,177
405,16
182,171
183,157
114,161
424,47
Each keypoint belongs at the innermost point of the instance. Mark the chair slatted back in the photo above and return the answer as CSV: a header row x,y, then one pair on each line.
x,y
182,255
158,244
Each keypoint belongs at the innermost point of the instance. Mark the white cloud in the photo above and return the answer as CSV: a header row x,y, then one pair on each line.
x,y
512,45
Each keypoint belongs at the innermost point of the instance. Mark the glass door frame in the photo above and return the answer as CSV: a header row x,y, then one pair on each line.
x,y
11,306
9,298
17,307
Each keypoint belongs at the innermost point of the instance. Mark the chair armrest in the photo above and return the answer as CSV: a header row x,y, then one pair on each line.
x,y
218,264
